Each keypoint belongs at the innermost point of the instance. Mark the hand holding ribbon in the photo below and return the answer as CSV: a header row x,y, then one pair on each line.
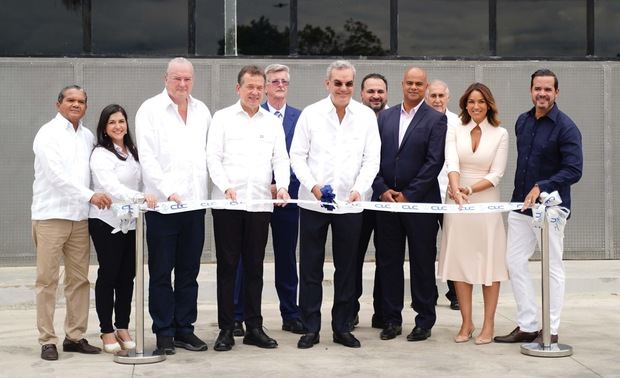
x,y
328,196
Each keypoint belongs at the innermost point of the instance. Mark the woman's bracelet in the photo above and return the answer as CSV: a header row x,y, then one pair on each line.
x,y
470,191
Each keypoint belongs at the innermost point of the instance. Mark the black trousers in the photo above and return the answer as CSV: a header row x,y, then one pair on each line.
x,y
345,238
175,242
116,254
240,235
368,225
420,232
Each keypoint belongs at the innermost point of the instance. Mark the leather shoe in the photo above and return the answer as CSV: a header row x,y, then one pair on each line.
x,y
377,322
190,342
224,341
258,337
49,352
238,330
454,304
419,334
81,346
516,336
539,338
347,339
353,323
165,345
390,331
308,340
294,326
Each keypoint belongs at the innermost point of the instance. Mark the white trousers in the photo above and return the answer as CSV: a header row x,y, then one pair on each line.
x,y
522,239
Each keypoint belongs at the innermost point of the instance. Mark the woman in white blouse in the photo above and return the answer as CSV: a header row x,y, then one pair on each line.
x,y
473,246
116,171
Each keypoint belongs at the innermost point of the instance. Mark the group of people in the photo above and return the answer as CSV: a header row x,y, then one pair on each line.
x,y
336,148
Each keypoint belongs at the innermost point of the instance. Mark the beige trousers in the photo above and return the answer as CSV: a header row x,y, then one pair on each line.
x,y
55,239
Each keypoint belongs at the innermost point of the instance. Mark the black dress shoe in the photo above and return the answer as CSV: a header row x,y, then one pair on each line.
x,y
238,330
294,326
49,352
258,337
390,331
347,339
81,346
190,342
224,341
353,323
308,340
516,336
419,334
377,322
165,345
454,304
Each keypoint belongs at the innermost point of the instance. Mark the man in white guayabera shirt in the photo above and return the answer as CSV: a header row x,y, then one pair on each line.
x,y
438,96
60,204
171,131
335,155
246,148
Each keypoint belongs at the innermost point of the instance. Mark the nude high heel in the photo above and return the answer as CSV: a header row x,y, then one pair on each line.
x,y
464,339
125,345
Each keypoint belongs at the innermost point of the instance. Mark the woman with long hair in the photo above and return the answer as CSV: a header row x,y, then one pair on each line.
x,y
115,170
473,246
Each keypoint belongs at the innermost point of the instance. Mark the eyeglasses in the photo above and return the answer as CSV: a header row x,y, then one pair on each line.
x,y
338,83
279,82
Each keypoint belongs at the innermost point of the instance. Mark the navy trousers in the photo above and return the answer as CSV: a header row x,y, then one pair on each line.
x,y
345,238
284,232
420,232
368,225
175,242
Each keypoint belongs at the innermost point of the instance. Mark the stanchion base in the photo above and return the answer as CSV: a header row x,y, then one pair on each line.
x,y
133,358
553,350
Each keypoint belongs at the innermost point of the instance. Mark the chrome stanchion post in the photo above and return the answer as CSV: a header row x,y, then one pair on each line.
x,y
138,356
546,348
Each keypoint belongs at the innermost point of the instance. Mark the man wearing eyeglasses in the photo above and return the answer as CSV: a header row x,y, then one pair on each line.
x,y
335,155
284,220
413,138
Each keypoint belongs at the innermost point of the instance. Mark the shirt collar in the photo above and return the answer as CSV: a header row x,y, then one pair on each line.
x,y
273,110
67,124
168,101
552,114
412,111
239,109
329,105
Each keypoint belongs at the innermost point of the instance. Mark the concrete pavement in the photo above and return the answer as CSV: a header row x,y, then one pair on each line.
x,y
590,324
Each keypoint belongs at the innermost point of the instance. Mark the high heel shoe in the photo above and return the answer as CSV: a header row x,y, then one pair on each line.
x,y
125,345
464,339
481,341
110,348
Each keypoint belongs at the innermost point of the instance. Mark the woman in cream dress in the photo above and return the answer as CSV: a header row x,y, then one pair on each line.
x,y
473,246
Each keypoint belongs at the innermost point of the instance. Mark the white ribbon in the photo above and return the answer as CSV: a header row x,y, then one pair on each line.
x,y
127,212
549,208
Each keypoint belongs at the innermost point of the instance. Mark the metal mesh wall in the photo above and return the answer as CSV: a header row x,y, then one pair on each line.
x,y
588,91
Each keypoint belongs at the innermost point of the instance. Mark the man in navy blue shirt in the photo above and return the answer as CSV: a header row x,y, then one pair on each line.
x,y
549,158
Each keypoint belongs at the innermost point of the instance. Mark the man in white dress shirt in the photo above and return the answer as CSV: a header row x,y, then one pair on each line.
x,y
335,151
438,97
246,147
171,131
60,205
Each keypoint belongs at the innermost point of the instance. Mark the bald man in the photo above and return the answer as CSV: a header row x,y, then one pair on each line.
x,y
413,137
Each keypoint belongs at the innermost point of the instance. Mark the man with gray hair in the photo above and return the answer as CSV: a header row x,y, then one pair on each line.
x,y
284,220
171,131
438,97
60,204
335,155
